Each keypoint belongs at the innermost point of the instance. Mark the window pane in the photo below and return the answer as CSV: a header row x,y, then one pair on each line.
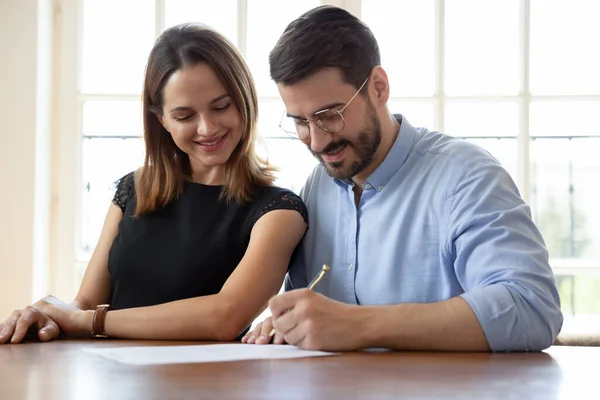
x,y
564,118
293,159
564,47
586,196
406,43
482,47
269,115
221,15
115,45
551,194
482,119
112,118
419,114
104,161
579,296
479,121
267,19
503,150
565,195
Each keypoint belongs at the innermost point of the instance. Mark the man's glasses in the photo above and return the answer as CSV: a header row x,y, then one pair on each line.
x,y
330,120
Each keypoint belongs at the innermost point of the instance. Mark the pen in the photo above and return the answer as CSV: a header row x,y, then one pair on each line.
x,y
311,285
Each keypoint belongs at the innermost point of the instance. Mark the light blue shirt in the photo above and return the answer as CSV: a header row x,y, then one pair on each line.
x,y
438,218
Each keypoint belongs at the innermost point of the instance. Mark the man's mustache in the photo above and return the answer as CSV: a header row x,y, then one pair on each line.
x,y
333,147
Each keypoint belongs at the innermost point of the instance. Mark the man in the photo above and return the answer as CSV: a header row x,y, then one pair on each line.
x,y
430,245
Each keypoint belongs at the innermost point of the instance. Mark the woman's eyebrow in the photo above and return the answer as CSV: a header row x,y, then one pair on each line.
x,y
186,108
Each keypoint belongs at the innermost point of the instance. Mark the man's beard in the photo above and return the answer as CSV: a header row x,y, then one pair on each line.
x,y
365,148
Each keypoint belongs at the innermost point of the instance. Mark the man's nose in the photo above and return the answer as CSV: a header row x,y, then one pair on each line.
x,y
319,139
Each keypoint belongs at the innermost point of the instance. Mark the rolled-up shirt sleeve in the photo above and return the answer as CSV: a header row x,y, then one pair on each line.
x,y
501,261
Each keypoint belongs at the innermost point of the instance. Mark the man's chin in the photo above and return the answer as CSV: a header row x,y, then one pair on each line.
x,y
336,170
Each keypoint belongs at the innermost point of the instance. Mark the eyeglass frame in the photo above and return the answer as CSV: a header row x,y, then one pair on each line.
x,y
318,122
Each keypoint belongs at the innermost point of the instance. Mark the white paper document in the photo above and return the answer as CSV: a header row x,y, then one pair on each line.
x,y
152,355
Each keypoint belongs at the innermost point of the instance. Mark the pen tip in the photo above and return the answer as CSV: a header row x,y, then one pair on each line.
x,y
325,267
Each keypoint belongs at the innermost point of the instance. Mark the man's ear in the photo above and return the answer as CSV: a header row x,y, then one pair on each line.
x,y
381,86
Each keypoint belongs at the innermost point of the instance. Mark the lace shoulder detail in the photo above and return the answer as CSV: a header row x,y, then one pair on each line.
x,y
125,190
286,201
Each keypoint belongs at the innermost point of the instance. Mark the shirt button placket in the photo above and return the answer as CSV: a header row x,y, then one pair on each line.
x,y
349,273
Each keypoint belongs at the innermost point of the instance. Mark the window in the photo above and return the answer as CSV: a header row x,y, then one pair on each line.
x,y
499,73
109,93
111,79
294,161
495,72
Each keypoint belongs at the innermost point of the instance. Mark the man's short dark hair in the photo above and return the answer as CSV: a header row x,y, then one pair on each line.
x,y
325,36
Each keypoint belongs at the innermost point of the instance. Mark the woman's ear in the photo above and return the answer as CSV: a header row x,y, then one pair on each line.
x,y
381,86
161,119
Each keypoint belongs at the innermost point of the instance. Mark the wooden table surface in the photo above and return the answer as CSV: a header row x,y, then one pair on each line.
x,y
61,370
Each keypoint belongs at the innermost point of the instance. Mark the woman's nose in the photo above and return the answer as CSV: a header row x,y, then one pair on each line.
x,y
206,126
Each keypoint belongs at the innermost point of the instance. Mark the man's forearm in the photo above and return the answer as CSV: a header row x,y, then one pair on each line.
x,y
449,325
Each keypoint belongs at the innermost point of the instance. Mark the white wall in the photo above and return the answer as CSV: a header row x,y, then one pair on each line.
x,y
25,137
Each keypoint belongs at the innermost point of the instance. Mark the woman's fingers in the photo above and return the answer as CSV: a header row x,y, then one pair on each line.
x,y
48,329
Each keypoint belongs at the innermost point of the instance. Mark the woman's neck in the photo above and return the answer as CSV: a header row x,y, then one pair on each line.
x,y
210,176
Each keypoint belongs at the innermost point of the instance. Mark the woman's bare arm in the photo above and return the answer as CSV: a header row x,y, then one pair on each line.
x,y
222,316
95,286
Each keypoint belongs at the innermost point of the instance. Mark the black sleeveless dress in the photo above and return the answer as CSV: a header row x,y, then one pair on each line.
x,y
187,249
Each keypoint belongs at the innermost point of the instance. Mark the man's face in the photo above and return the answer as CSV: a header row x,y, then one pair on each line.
x,y
350,151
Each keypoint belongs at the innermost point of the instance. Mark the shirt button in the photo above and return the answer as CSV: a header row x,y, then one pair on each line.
x,y
367,186
350,267
379,188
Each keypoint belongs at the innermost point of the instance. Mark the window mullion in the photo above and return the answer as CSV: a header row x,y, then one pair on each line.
x,y
337,3
242,22
353,6
439,97
523,138
107,97
160,16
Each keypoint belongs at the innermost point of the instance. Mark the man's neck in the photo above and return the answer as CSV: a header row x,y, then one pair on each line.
x,y
389,131
357,189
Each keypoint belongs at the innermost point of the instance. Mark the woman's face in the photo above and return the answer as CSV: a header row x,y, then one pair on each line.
x,y
202,119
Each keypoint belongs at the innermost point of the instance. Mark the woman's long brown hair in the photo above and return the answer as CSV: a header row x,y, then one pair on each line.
x,y
166,167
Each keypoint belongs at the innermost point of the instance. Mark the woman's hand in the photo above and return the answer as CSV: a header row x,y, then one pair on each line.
x,y
262,334
16,326
49,316
70,319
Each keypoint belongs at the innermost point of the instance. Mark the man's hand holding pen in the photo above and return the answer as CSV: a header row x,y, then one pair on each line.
x,y
310,321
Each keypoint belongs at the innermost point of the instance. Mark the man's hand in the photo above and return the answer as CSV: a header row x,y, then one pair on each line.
x,y
261,334
15,328
312,321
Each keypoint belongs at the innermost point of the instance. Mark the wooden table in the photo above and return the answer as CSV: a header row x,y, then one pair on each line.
x,y
60,370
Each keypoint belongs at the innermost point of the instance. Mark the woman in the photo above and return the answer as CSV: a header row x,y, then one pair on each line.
x,y
198,239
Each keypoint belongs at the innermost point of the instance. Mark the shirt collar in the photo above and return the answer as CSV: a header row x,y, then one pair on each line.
x,y
393,161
